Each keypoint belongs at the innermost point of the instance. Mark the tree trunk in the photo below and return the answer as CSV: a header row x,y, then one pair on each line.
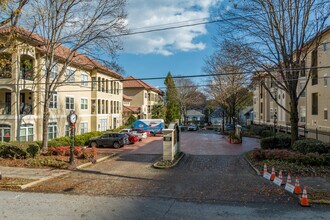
x,y
294,122
45,125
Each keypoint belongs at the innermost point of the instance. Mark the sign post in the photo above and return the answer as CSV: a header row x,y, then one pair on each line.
x,y
72,119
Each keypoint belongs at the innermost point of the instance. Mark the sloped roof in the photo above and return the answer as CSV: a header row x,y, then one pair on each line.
x,y
132,109
193,112
131,82
125,97
61,52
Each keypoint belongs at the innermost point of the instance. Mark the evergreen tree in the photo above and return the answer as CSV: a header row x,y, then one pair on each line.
x,y
158,110
172,104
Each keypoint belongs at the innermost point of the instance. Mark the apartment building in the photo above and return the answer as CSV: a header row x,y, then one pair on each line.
x,y
92,90
314,102
143,95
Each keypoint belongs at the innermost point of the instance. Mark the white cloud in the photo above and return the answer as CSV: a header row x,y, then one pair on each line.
x,y
148,13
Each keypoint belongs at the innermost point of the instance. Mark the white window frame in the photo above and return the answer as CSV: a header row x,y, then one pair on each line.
x,y
71,105
54,71
103,124
325,47
67,130
325,118
52,130
28,129
325,80
70,75
84,79
83,127
53,101
83,103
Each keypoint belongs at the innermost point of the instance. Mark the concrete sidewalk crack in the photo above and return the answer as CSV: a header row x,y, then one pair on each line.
x,y
168,210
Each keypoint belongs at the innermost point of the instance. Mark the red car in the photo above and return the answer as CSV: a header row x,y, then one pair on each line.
x,y
141,130
132,138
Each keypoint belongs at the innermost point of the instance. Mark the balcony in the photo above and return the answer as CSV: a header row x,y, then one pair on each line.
x,y
26,68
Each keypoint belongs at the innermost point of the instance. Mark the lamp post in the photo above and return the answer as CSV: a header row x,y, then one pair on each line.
x,y
72,119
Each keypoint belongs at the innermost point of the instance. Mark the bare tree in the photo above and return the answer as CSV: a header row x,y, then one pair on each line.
x,y
11,11
82,27
188,96
229,85
281,33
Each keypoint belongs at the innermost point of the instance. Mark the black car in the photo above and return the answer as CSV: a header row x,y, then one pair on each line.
x,y
115,140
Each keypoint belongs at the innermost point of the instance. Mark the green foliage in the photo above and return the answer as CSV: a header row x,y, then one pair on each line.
x,y
257,129
310,146
8,150
80,140
158,111
266,133
33,149
280,141
46,162
172,105
130,120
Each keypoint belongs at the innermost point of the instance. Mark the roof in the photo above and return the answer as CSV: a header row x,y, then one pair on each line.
x,y
132,109
194,113
125,97
131,82
61,52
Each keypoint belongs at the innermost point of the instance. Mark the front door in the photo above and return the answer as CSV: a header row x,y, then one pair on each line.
x,y
114,123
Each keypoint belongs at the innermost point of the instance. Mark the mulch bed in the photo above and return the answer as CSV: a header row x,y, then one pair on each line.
x,y
8,183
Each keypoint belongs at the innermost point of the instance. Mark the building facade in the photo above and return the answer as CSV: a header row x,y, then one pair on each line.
x,y
143,96
93,91
314,102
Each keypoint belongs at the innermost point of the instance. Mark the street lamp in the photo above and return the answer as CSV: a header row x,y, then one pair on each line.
x,y
72,119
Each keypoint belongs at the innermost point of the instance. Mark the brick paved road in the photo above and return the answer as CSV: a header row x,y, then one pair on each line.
x,y
212,178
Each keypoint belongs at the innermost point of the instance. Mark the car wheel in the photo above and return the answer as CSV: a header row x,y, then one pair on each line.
x,y
93,144
116,145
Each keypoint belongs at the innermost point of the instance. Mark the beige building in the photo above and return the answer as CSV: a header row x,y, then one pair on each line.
x,y
143,95
314,103
93,91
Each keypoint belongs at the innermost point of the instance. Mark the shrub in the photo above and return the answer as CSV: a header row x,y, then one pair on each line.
x,y
277,154
266,133
313,159
64,151
49,162
9,150
33,149
88,153
280,141
310,146
257,129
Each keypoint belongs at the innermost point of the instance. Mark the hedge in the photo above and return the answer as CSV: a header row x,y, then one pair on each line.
x,y
280,141
310,146
8,150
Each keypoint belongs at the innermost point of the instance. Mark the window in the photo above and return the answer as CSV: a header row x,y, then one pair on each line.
x,y
84,103
148,108
67,130
69,75
325,113
84,80
117,107
149,97
52,130
83,127
303,68
94,84
103,124
53,71
302,113
145,95
53,101
26,132
69,103
324,46
4,133
301,86
271,114
261,107
117,88
325,80
314,68
314,103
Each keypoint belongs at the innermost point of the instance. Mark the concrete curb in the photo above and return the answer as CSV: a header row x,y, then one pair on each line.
x,y
251,165
42,180
174,164
65,172
97,161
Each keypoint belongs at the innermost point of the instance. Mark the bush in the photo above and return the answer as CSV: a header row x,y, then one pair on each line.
x,y
64,151
33,149
9,150
280,141
310,146
313,159
257,129
88,153
49,162
266,133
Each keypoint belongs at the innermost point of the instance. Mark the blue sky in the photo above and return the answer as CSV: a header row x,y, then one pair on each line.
x,y
180,51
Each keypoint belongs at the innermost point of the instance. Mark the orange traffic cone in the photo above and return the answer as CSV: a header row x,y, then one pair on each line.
x,y
272,177
280,176
297,189
304,199
265,168
288,180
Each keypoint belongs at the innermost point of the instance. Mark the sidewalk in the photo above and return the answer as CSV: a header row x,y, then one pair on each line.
x,y
29,173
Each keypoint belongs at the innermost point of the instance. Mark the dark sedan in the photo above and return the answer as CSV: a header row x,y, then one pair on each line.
x,y
114,140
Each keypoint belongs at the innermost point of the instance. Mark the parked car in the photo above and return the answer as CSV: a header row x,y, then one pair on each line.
x,y
142,130
132,137
140,134
126,130
192,127
115,140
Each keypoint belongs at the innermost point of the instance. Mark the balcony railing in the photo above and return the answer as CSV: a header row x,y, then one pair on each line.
x,y
5,109
5,74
